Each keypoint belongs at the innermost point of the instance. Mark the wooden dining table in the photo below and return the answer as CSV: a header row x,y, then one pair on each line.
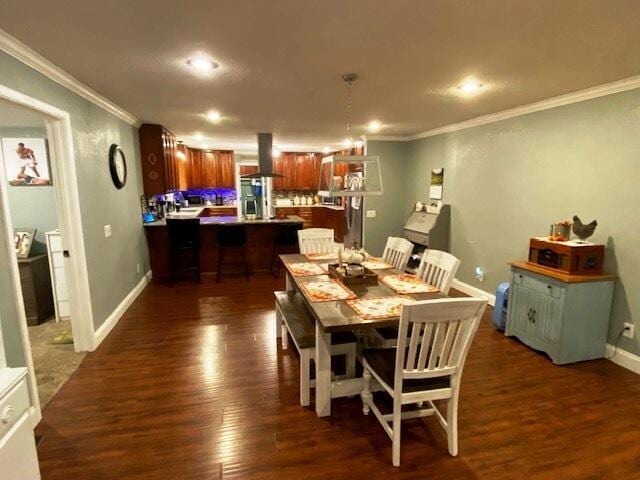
x,y
339,316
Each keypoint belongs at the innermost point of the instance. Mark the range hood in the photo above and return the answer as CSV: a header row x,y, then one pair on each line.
x,y
265,158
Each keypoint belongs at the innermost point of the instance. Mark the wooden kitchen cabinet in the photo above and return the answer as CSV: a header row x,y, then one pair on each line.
x,y
226,170
209,170
248,169
160,163
195,169
284,165
306,172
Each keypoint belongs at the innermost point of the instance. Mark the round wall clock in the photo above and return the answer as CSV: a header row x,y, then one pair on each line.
x,y
117,166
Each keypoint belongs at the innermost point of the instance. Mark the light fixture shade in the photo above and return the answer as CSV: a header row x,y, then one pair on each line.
x,y
350,176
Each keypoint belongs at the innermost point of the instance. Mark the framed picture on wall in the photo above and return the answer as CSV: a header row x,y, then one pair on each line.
x,y
23,239
26,161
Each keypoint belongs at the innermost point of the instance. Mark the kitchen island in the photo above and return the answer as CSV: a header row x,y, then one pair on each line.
x,y
261,236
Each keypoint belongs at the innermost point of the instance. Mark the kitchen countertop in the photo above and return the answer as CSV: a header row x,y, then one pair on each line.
x,y
228,220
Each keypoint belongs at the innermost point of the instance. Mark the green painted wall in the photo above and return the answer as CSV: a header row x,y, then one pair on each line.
x,y
391,208
509,180
111,262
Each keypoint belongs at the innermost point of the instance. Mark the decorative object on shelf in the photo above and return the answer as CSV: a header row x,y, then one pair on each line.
x,y
26,161
570,257
117,166
23,239
583,231
560,231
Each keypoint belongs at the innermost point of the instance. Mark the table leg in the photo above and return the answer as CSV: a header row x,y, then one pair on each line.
x,y
289,280
323,372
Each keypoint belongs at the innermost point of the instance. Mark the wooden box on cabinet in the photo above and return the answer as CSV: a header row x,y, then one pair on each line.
x,y
566,256
36,288
162,170
565,316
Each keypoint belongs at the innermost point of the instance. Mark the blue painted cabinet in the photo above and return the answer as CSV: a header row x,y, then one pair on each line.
x,y
567,320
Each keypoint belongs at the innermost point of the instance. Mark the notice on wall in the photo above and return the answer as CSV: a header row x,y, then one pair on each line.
x,y
437,182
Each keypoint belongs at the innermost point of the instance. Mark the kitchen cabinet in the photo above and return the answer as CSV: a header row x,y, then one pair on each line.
x,y
160,163
226,170
565,317
306,171
284,164
210,169
248,169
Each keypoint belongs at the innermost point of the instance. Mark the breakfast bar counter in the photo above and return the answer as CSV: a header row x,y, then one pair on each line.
x,y
261,235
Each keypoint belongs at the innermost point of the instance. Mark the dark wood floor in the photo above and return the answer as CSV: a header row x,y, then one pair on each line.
x,y
191,384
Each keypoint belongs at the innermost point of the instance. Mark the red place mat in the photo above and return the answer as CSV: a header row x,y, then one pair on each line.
x,y
304,269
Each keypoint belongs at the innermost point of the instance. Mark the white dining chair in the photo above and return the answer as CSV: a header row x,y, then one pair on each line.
x,y
397,252
433,342
317,240
438,268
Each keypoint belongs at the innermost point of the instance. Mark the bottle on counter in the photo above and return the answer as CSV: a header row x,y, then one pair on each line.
x,y
296,200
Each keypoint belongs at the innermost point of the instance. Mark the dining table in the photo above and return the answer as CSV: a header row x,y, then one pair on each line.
x,y
338,316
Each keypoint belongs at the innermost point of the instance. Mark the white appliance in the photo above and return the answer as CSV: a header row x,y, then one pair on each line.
x,y
58,275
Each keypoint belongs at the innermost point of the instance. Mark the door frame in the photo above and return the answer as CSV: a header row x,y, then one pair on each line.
x,y
67,200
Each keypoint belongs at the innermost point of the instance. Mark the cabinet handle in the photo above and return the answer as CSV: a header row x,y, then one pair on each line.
x,y
531,315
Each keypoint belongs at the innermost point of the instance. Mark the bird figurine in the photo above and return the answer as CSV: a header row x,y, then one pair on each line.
x,y
583,231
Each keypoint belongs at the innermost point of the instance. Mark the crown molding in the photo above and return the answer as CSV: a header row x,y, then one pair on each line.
x,y
26,55
611,88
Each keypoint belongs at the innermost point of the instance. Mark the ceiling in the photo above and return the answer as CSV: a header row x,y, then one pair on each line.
x,y
281,61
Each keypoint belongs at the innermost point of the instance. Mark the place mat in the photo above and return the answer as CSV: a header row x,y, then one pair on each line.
x,y
375,263
384,307
321,256
406,283
326,291
303,269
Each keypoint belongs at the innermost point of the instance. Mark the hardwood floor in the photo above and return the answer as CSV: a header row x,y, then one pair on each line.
x,y
192,384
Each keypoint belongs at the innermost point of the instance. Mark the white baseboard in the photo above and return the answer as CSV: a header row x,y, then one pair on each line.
x,y
111,321
624,358
473,291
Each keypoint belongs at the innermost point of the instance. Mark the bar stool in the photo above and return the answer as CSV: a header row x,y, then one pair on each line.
x,y
232,237
286,241
184,242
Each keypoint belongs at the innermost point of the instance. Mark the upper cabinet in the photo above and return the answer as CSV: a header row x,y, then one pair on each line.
x,y
226,170
210,169
284,164
161,167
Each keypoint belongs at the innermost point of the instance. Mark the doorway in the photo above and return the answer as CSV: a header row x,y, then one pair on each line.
x,y
41,224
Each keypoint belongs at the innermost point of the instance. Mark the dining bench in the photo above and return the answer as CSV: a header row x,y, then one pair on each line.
x,y
294,319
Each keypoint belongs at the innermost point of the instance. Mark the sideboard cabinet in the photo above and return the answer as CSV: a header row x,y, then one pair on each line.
x,y
565,316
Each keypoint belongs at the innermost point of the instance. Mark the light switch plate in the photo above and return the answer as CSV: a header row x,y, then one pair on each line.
x,y
371,214
107,231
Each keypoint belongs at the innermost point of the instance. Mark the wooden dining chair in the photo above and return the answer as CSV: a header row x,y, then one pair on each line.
x,y
317,240
433,342
438,268
397,252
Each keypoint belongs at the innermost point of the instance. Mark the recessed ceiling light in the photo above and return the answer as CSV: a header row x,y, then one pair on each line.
x,y
347,142
326,150
470,86
202,64
213,116
197,136
204,145
275,152
374,126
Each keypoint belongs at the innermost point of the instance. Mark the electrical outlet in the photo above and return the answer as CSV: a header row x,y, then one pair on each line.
x,y
107,231
371,214
480,274
629,330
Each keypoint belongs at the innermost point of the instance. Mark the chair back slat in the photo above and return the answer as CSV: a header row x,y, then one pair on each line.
x,y
434,337
317,240
397,252
438,268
